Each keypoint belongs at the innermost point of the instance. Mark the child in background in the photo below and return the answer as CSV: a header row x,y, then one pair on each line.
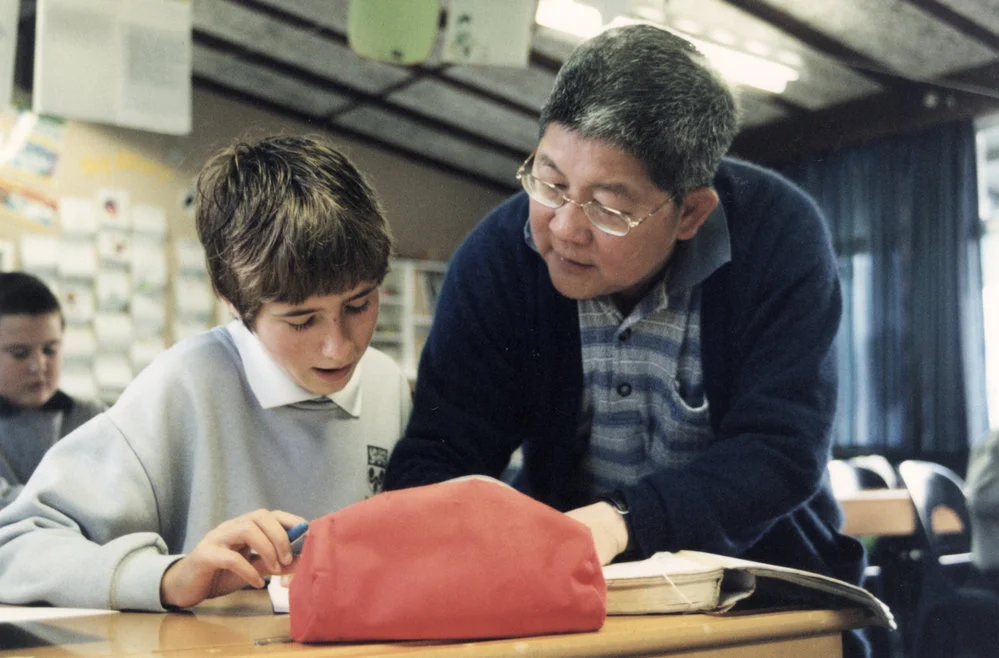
x,y
34,413
184,489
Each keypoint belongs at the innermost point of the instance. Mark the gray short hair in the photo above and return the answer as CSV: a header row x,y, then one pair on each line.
x,y
653,94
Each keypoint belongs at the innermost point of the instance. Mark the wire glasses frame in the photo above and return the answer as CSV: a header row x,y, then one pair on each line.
x,y
610,221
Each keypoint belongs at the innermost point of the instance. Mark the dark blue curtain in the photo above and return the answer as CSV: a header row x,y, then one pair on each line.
x,y
905,225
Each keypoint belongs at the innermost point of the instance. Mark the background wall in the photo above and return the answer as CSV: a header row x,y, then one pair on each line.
x,y
430,211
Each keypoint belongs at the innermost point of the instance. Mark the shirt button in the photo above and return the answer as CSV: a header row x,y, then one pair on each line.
x,y
624,335
624,390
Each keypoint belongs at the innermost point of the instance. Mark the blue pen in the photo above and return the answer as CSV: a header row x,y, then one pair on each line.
x,y
297,531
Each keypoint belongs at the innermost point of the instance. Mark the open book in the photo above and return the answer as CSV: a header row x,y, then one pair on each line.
x,y
691,581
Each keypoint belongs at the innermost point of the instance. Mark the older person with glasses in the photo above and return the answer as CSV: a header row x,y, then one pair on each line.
x,y
650,322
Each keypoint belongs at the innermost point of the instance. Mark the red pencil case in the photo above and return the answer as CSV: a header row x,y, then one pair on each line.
x,y
463,559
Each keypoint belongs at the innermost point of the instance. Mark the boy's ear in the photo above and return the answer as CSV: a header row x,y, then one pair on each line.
x,y
697,205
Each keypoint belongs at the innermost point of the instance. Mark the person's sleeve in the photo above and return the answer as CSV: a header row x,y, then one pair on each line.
x,y
774,435
982,484
8,492
83,533
468,411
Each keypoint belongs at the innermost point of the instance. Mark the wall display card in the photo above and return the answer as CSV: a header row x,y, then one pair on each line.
x,y
114,331
149,220
78,259
194,298
145,350
39,253
78,379
149,266
79,342
78,215
496,33
78,303
141,50
115,247
113,209
8,256
8,47
114,290
190,256
113,372
149,314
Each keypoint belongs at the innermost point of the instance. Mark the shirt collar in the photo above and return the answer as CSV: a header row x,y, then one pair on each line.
x,y
271,384
693,260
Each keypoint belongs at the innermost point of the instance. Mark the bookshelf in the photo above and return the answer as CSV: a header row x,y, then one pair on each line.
x,y
408,297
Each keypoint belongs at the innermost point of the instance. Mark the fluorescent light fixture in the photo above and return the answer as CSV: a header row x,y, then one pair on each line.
x,y
570,17
740,67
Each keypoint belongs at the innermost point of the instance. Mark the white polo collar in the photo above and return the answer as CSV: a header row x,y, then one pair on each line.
x,y
271,384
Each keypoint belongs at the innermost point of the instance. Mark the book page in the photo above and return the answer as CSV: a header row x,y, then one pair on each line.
x,y
660,564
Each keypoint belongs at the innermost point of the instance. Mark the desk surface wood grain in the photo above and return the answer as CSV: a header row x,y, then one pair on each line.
x,y
242,624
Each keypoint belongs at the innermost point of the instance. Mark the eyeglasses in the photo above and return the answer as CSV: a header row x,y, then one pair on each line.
x,y
608,220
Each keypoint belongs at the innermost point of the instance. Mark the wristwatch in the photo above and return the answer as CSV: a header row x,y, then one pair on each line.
x,y
616,500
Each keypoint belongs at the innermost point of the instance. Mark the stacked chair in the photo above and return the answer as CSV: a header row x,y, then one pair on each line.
x,y
952,619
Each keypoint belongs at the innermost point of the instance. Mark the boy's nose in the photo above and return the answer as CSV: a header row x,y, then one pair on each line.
x,y
335,344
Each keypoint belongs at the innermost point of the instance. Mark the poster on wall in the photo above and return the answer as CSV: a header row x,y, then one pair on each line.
x,y
27,205
142,49
30,144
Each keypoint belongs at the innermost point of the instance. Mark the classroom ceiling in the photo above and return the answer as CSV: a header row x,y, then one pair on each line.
x,y
867,68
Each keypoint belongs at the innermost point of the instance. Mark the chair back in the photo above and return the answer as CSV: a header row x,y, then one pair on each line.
x,y
843,478
875,471
934,487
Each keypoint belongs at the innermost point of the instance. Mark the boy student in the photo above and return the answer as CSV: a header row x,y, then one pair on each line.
x,y
651,323
184,489
34,413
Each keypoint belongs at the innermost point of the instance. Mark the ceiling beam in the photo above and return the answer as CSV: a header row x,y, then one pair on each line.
x,y
359,97
959,22
415,156
907,109
861,64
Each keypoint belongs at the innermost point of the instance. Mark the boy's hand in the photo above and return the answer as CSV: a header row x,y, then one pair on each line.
x,y
608,527
237,553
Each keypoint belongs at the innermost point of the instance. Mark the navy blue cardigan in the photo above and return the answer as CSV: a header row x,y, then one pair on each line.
x,y
502,368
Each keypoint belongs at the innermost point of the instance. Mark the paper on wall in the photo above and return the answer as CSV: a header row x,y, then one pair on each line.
x,y
78,259
78,215
114,331
39,253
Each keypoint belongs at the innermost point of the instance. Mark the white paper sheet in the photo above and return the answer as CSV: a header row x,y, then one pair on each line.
x,y
16,614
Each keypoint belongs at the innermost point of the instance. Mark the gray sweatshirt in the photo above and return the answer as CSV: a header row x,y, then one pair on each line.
x,y
27,434
187,446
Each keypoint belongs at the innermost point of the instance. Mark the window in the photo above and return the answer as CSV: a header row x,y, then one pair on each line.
x,y
988,204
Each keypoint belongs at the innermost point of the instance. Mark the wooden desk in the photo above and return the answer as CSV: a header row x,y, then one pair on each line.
x,y
241,624
889,512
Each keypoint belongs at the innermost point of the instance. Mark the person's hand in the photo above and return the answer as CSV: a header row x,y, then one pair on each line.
x,y
237,553
608,527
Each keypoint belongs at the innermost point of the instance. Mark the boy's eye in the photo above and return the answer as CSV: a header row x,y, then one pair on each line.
x,y
302,326
361,308
19,353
